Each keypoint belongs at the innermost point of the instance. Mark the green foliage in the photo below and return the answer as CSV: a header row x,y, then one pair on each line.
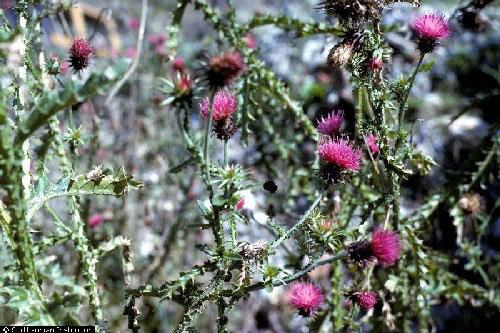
x,y
74,91
96,182
309,226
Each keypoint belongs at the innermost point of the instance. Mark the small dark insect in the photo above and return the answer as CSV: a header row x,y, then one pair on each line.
x,y
270,186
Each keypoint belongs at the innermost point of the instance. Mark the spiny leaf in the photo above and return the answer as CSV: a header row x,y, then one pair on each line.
x,y
115,183
73,92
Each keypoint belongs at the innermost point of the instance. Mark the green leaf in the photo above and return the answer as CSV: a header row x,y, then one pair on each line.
x,y
73,92
115,183
427,67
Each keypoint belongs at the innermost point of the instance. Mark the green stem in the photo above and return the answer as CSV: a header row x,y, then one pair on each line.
x,y
79,237
232,226
296,276
206,155
404,102
299,224
226,162
395,193
222,318
337,310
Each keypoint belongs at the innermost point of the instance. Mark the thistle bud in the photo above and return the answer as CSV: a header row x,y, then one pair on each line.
x,y
376,64
224,105
366,300
52,66
178,64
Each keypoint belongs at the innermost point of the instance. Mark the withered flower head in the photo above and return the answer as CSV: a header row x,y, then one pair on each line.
x,y
471,203
340,55
353,12
224,68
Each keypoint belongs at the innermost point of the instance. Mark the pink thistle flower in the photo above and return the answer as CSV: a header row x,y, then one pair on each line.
x,y
385,246
371,142
250,41
340,153
365,299
429,29
64,67
131,52
306,297
156,40
224,68
240,204
133,23
330,125
178,64
376,64
95,220
79,54
224,106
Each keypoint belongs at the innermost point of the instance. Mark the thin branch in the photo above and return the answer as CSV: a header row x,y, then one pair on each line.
x,y
135,62
299,224
296,276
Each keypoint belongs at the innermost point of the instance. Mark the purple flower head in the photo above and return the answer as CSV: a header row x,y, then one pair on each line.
x,y
385,246
429,29
365,299
79,54
178,64
133,23
95,220
371,142
240,204
306,297
250,41
376,64
156,40
330,125
340,153
131,52
224,106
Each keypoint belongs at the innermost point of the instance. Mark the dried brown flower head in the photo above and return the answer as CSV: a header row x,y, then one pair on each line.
x,y
340,55
471,204
352,13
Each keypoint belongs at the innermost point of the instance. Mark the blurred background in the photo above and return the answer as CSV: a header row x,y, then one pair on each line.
x,y
454,109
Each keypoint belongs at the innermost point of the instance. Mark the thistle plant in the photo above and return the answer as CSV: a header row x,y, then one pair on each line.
x,y
337,239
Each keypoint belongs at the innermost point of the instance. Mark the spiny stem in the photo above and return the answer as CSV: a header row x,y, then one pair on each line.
x,y
296,276
299,224
404,102
222,318
226,162
135,62
79,237
206,155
